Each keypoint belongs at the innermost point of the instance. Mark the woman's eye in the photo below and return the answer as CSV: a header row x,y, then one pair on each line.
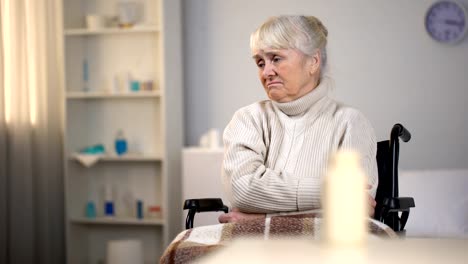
x,y
276,59
260,64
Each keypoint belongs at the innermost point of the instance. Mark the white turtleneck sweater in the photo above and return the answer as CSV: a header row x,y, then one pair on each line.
x,y
276,154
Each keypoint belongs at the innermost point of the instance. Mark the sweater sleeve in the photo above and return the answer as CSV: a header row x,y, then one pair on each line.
x,y
360,136
252,186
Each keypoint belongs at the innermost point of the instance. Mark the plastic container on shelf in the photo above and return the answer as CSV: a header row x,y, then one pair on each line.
x,y
120,143
154,211
90,210
139,211
109,209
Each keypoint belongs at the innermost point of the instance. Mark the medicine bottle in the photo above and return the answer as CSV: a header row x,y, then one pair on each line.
x,y
120,143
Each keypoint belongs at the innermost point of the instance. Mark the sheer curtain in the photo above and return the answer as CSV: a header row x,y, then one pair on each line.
x,y
31,182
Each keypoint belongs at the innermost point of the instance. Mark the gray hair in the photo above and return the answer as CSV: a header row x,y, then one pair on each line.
x,y
304,33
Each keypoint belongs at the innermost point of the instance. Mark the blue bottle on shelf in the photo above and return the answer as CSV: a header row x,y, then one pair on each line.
x,y
90,210
139,212
120,143
109,208
108,201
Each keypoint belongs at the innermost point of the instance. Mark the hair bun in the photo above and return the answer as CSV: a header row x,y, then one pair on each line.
x,y
322,28
317,25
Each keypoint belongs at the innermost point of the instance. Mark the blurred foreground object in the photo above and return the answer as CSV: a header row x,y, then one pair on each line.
x,y
426,251
344,201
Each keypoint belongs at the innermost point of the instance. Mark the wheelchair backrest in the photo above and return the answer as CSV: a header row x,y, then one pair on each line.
x,y
384,164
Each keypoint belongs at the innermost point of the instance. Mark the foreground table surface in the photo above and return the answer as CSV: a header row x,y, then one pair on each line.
x,y
375,251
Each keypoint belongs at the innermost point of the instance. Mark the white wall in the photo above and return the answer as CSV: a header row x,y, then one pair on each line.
x,y
380,56
441,202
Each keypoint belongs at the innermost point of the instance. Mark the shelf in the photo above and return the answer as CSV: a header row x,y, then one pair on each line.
x,y
108,31
107,95
117,221
124,158
131,158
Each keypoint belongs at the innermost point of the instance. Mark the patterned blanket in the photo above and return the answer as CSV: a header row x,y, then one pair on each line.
x,y
191,244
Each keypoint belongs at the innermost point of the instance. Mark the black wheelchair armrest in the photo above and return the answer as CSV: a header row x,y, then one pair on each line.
x,y
390,209
202,205
398,204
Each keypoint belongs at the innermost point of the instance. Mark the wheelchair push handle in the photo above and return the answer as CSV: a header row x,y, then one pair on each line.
x,y
399,130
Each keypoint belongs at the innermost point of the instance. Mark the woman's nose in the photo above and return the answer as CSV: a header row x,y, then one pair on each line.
x,y
268,70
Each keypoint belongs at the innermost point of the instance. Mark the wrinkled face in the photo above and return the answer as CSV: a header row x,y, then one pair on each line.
x,y
286,74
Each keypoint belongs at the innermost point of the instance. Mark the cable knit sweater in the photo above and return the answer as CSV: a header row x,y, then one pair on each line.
x,y
276,154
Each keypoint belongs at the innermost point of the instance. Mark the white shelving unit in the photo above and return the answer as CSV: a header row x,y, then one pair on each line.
x,y
151,121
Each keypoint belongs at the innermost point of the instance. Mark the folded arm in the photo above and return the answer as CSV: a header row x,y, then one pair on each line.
x,y
253,186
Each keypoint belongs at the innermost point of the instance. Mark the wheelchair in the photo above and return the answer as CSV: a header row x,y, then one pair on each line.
x,y
391,209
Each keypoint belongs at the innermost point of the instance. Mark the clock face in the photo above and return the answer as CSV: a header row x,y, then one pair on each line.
x,y
446,21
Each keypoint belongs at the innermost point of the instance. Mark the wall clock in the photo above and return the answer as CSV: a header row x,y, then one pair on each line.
x,y
446,21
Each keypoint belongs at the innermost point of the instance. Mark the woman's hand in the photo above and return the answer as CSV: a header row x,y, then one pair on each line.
x,y
235,216
372,202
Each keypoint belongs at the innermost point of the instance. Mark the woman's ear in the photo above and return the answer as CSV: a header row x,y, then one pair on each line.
x,y
315,62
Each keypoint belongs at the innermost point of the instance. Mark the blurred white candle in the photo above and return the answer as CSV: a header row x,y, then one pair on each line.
x,y
344,201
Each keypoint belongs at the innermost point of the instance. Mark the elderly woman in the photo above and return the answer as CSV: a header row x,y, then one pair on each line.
x,y
277,150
